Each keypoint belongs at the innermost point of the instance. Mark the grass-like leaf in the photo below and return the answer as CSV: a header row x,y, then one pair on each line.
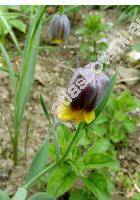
x,y
8,65
4,195
45,109
28,66
57,146
41,158
20,194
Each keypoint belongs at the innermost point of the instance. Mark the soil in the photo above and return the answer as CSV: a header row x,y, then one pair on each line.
x,y
53,70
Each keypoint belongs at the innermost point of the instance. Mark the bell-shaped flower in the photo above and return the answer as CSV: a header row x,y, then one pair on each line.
x,y
59,28
85,92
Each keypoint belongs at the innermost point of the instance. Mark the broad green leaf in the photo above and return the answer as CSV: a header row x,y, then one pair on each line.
x,y
64,134
39,162
78,162
116,133
8,65
79,194
99,146
9,28
28,66
99,160
41,196
101,119
21,26
61,180
99,185
129,125
106,96
83,139
4,195
20,194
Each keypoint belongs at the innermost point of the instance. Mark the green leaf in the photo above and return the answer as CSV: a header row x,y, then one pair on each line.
x,y
9,28
18,24
39,162
79,194
8,65
71,9
99,184
45,109
83,139
136,47
28,66
20,194
99,146
61,180
116,133
136,197
4,195
100,160
129,125
106,96
64,135
41,196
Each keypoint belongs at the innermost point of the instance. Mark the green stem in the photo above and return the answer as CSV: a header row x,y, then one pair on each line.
x,y
15,145
62,9
94,45
55,164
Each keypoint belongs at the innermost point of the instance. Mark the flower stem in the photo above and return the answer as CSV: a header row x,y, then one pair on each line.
x,y
62,9
55,164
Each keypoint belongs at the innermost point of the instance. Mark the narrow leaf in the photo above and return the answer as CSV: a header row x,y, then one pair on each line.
x,y
39,162
4,195
20,194
28,66
9,65
41,158
45,109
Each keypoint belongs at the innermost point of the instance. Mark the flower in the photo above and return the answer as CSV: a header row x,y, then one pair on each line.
x,y
85,92
59,28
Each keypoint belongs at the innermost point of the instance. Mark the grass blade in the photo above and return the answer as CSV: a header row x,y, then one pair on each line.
x,y
9,65
28,66
41,158
4,195
20,194
57,146
45,109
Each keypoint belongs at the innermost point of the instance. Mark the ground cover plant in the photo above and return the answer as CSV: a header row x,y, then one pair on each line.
x,y
79,156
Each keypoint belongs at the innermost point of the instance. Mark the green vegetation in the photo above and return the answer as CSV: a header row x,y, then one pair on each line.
x,y
76,160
